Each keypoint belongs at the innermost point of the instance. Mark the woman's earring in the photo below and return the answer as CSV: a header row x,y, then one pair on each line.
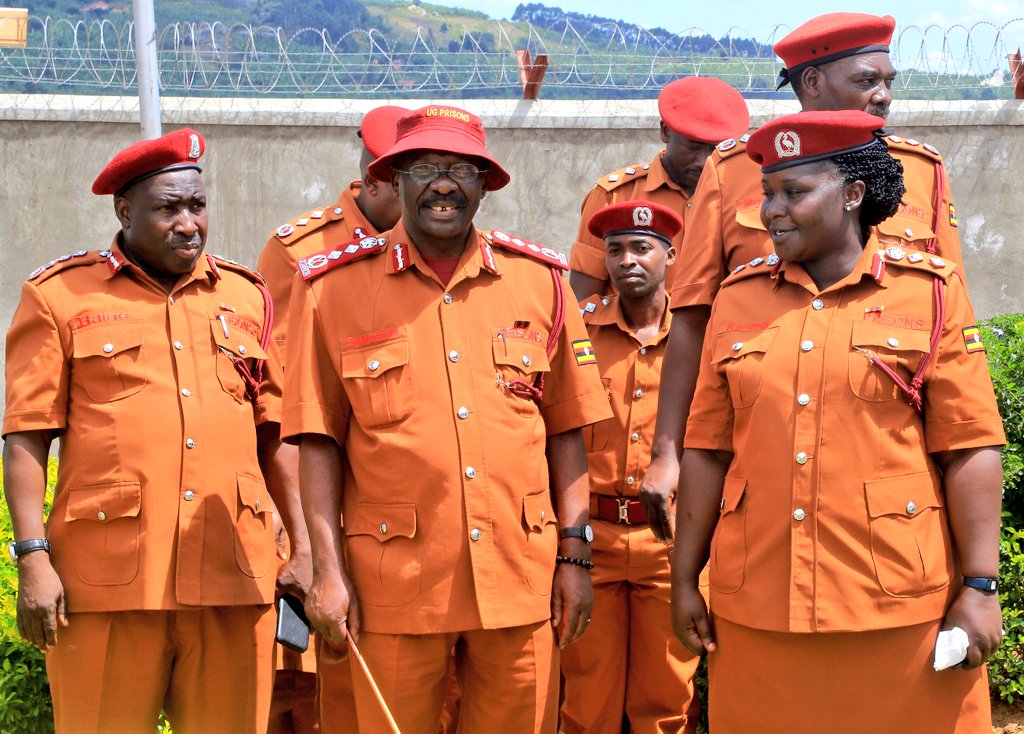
x,y
848,207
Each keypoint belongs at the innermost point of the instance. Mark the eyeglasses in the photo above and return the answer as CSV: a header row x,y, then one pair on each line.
x,y
424,173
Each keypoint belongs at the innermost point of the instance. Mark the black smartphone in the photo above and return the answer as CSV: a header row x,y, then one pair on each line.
x,y
292,624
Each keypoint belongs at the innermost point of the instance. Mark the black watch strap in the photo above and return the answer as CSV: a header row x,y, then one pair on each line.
x,y
583,532
22,547
985,583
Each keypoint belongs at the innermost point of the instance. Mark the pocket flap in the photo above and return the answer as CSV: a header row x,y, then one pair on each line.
x,y
905,496
750,217
904,227
104,503
524,355
383,521
732,492
889,338
376,359
734,344
107,340
537,511
238,341
252,493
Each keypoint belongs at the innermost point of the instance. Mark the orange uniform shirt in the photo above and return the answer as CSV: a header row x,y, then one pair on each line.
x,y
160,501
448,513
833,516
723,228
314,231
619,449
650,182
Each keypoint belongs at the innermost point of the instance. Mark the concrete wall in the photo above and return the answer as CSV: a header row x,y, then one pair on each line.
x,y
270,160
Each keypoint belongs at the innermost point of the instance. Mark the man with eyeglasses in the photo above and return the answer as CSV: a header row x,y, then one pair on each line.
x,y
452,370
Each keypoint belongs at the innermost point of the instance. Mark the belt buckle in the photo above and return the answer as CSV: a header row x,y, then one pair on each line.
x,y
623,509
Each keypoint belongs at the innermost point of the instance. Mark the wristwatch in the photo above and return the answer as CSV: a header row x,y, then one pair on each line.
x,y
17,550
583,532
985,583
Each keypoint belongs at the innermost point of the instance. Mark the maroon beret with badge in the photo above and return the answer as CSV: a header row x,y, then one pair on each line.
x,y
174,151
830,37
812,136
379,128
636,217
704,109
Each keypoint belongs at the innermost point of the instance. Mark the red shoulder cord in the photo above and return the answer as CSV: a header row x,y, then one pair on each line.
x,y
933,241
253,378
535,392
912,391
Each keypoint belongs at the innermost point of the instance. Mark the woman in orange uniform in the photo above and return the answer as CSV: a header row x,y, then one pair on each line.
x,y
841,467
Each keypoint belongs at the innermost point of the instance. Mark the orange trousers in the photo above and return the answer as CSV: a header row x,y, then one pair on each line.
x,y
209,668
293,708
508,679
629,663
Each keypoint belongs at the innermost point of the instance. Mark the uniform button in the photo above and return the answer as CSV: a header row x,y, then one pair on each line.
x,y
257,503
799,514
643,350
801,458
630,480
447,297
383,528
526,360
189,495
803,398
737,346
453,356
374,365
185,391
179,346
108,348
241,349
911,508
892,342
337,211
101,516
807,345
817,304
474,535
190,443
463,413
171,299
639,393
635,437
470,472
909,231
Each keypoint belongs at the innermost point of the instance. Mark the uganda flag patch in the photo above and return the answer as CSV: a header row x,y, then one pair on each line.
x,y
952,216
972,340
584,351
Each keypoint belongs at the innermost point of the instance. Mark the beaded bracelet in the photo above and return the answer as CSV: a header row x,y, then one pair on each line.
x,y
575,561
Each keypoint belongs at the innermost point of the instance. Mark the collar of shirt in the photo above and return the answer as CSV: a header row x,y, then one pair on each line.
x,y
117,262
612,315
403,256
657,177
870,265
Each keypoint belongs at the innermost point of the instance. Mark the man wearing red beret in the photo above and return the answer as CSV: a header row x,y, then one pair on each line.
x,y
629,666
151,587
697,113
836,61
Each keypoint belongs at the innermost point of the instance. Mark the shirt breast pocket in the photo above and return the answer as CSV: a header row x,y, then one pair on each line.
x,y
899,349
518,364
742,355
750,217
906,231
378,382
237,351
108,362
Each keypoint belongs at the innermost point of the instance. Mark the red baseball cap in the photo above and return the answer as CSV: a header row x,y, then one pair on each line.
x,y
443,129
703,108
380,127
636,217
812,136
830,37
172,152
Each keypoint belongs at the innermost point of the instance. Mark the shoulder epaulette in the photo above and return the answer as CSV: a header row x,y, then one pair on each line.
x,y
82,257
592,306
732,146
757,266
315,265
910,145
546,255
293,231
938,266
222,262
615,179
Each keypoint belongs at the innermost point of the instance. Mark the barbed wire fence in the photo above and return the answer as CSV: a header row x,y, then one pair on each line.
x,y
214,59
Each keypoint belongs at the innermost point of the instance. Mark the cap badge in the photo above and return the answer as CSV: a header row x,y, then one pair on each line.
x,y
193,146
787,144
642,216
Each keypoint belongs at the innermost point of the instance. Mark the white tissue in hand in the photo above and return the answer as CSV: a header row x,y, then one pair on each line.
x,y
950,648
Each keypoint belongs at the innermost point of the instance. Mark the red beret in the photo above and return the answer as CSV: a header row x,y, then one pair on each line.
x,y
703,108
174,151
380,127
832,36
636,217
441,129
812,136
